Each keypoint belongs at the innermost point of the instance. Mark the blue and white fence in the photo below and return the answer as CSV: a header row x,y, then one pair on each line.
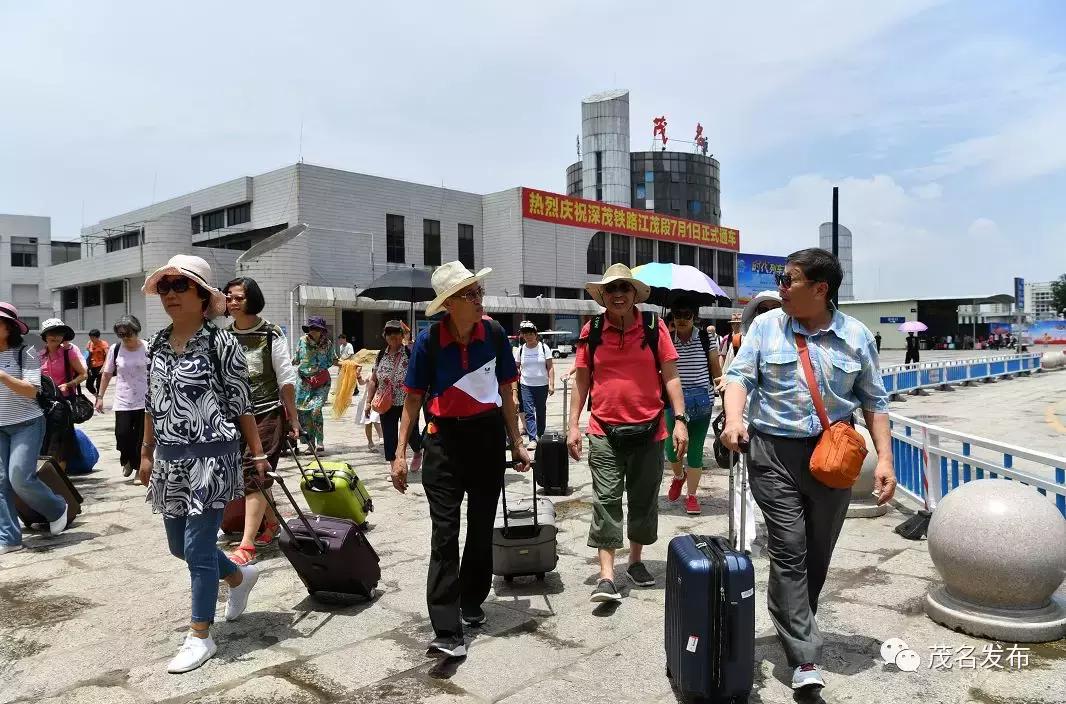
x,y
924,375
949,458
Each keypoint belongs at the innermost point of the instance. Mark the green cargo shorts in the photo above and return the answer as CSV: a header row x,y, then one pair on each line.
x,y
640,475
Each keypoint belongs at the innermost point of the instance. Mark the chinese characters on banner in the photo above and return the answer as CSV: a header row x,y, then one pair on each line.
x,y
659,128
565,210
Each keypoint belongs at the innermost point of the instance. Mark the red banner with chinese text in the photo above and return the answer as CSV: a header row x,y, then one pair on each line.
x,y
578,212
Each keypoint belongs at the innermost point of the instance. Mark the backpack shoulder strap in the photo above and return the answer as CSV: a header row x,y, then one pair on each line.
x,y
594,339
433,348
21,350
651,334
704,340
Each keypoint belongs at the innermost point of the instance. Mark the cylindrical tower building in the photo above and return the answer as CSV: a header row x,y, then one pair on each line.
x,y
605,172
825,239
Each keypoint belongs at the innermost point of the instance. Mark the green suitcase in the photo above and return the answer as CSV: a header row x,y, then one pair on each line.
x,y
334,489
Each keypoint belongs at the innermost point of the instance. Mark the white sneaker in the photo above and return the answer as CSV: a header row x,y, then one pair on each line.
x,y
60,524
4,549
807,675
193,653
238,596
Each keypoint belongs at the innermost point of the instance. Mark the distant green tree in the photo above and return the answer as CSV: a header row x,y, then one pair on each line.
x,y
1058,293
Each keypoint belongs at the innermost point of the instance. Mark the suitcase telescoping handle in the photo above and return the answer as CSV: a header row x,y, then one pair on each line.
x,y
322,473
503,492
739,464
319,543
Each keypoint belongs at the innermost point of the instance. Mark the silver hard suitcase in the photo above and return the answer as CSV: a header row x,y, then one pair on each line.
x,y
524,537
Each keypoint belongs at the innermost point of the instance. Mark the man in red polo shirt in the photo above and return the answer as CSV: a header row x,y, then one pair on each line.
x,y
626,431
464,367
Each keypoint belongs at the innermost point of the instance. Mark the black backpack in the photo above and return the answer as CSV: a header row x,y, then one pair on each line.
x,y
57,413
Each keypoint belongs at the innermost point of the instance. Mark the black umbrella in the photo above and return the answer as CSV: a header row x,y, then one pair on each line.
x,y
411,285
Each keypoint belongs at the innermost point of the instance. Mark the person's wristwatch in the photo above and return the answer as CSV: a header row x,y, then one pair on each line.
x,y
683,418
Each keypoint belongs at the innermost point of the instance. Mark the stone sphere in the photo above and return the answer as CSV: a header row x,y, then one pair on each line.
x,y
999,544
864,485
1053,360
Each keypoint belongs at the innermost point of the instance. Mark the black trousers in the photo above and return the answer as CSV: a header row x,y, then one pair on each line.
x,y
911,357
461,458
129,434
390,432
92,381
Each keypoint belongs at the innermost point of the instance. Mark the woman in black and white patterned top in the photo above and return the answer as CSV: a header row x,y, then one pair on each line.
x,y
198,407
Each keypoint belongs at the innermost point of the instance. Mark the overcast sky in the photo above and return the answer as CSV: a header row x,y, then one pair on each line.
x,y
943,123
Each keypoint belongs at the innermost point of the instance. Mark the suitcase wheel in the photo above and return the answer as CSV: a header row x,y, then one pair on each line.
x,y
509,579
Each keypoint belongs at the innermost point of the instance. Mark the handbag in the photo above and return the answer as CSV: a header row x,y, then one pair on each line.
x,y
318,379
627,437
698,402
384,398
81,408
722,454
840,452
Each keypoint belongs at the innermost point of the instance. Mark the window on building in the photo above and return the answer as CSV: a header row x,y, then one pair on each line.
x,y
215,220
24,251
69,298
124,240
727,266
238,214
645,251
568,293
466,245
667,252
596,253
695,207
196,224
641,191
32,322
534,291
394,248
63,252
431,242
706,262
90,295
114,292
620,249
240,245
686,254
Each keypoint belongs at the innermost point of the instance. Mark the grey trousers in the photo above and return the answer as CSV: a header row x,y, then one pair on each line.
x,y
803,520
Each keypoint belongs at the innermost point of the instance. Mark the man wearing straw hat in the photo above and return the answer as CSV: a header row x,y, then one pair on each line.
x,y
625,358
463,366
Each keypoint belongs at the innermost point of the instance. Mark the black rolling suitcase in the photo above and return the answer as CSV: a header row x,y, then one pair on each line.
x,y
710,614
329,554
551,468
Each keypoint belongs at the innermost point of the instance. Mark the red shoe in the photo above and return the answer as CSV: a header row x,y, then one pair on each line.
x,y
692,506
675,488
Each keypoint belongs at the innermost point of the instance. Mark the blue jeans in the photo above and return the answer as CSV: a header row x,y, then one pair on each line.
x,y
192,538
20,444
535,398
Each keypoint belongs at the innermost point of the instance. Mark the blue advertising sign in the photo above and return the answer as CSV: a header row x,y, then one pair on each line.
x,y
894,319
1019,293
755,273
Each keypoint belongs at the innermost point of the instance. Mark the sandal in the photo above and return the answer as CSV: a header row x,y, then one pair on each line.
x,y
267,536
243,555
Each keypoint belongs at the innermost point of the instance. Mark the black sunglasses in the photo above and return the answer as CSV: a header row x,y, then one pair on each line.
x,y
786,280
178,285
686,315
616,287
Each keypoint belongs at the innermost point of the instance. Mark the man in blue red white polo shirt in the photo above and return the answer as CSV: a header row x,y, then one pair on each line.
x,y
464,366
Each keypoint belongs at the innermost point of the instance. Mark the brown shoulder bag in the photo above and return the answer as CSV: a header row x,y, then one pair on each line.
x,y
840,452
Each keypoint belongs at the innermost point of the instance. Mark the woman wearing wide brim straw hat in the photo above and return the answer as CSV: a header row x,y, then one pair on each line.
x,y
198,407
618,272
763,302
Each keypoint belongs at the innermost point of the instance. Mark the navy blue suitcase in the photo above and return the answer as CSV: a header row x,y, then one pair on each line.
x,y
710,619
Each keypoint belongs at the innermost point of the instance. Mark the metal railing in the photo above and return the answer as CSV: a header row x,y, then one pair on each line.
x,y
946,459
925,375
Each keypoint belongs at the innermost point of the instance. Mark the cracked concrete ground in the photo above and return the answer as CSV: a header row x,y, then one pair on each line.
x,y
93,615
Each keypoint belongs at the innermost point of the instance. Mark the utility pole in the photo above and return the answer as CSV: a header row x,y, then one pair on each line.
x,y
836,232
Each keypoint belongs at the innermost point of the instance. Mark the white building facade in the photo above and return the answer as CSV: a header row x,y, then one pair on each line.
x,y
26,252
542,247
1038,302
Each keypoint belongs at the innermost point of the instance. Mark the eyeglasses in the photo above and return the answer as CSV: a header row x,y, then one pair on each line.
x,y
177,285
786,280
617,287
124,333
684,316
472,296
235,298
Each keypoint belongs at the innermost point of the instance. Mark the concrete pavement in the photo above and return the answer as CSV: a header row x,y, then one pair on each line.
x,y
94,614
